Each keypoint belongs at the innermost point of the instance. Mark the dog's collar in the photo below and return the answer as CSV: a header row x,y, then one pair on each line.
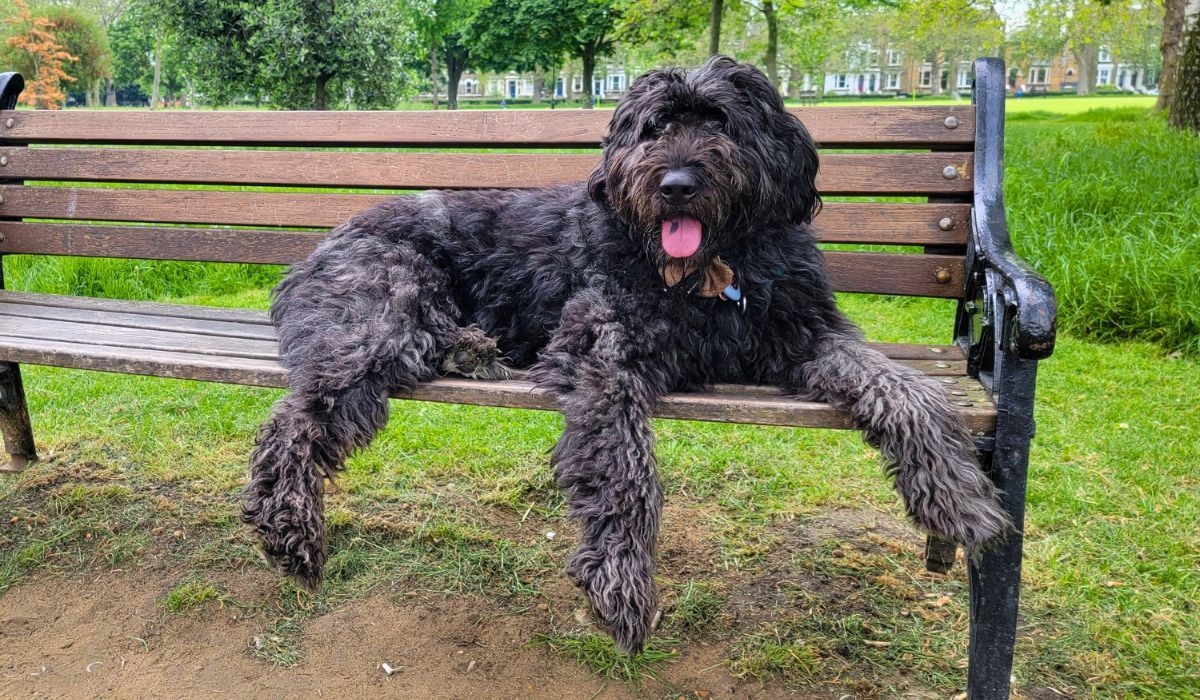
x,y
717,280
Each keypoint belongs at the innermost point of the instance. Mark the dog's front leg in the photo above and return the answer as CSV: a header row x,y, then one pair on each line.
x,y
600,364
925,443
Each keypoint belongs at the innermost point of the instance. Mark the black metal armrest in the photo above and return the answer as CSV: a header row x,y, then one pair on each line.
x,y
1032,311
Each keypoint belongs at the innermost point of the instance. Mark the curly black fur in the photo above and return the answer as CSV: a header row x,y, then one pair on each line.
x,y
566,281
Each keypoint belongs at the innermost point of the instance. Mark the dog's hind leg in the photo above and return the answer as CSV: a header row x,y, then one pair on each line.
x,y
925,443
607,382
356,320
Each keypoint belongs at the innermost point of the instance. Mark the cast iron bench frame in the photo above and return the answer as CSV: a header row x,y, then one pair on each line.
x,y
1004,323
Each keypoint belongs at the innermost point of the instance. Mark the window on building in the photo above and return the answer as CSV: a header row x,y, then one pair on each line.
x,y
964,79
841,81
577,84
892,81
1104,56
926,77
1104,76
893,57
1038,75
616,83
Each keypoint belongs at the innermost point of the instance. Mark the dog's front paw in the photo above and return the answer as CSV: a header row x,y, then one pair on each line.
x,y
621,593
960,505
290,536
474,356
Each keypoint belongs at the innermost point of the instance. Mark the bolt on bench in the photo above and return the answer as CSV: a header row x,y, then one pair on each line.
x,y
121,184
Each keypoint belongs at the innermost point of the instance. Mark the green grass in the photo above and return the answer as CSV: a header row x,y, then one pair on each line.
x,y
1107,206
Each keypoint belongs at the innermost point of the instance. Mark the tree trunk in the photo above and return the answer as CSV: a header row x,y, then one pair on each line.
x,y
539,86
951,63
935,75
321,97
1085,57
1185,108
771,58
154,94
456,63
714,27
589,69
110,93
1171,33
433,75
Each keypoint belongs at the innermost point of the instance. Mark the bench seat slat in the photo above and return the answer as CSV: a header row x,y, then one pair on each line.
x,y
838,222
211,349
844,127
840,174
870,273
242,323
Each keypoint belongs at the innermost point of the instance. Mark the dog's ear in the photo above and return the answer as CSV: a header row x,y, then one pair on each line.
x,y
794,157
597,184
798,168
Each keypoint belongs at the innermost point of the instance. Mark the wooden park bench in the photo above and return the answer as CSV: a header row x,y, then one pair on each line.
x,y
105,184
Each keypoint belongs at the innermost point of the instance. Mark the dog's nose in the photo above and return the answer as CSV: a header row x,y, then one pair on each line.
x,y
677,187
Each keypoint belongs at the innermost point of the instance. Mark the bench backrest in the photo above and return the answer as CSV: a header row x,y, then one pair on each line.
x,y
260,187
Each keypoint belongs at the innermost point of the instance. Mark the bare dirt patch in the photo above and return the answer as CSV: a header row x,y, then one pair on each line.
x,y
110,636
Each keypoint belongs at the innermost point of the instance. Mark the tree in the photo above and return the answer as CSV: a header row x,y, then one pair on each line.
x,y
545,30
588,33
298,53
146,52
658,33
107,12
34,37
714,26
1185,105
441,26
82,36
944,32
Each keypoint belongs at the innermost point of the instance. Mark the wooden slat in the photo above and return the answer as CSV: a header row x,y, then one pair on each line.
x,y
883,273
150,308
725,407
244,323
841,174
259,329
157,243
875,273
838,222
839,127
134,339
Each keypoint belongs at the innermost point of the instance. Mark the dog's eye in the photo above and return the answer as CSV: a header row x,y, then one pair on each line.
x,y
653,129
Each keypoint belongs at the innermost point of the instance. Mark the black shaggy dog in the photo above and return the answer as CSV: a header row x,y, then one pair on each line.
x,y
685,260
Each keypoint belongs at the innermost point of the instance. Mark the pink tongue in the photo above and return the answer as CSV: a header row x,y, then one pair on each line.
x,y
681,237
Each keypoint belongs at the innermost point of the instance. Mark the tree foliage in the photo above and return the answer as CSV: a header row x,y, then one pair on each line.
x,y
297,53
34,39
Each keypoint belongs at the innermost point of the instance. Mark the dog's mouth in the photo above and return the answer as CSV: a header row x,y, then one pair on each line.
x,y
681,236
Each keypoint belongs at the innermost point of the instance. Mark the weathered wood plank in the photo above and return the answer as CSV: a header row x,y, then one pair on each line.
x,y
258,330
136,339
915,174
136,307
874,273
838,222
242,323
725,407
832,127
158,243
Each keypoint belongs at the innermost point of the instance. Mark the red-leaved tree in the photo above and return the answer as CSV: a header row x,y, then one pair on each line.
x,y
35,36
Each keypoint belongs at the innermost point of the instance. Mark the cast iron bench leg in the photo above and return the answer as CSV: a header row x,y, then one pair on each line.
x,y
995,575
14,419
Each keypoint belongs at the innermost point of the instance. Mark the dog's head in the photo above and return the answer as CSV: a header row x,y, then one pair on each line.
x,y
693,160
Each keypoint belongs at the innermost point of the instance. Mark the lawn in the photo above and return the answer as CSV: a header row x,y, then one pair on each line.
x,y
786,565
